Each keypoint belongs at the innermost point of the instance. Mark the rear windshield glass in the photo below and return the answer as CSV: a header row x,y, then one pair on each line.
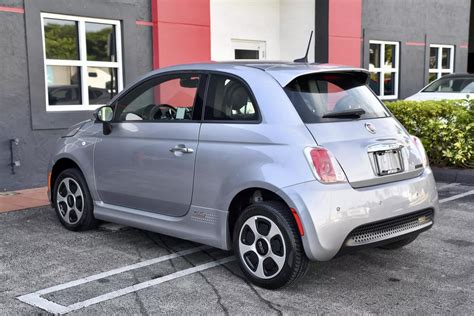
x,y
463,85
317,95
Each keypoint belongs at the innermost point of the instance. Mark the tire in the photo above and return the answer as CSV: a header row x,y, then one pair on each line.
x,y
283,245
399,243
73,201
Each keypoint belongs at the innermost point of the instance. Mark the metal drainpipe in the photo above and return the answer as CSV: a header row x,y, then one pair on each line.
x,y
14,163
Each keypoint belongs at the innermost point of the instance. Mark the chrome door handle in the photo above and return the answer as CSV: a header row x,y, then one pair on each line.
x,y
182,149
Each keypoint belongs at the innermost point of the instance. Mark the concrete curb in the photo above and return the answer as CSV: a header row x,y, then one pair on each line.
x,y
451,175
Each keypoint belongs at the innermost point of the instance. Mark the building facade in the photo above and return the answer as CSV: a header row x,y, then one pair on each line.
x,y
62,59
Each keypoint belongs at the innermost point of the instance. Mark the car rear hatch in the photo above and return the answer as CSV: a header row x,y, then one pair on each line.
x,y
345,117
369,159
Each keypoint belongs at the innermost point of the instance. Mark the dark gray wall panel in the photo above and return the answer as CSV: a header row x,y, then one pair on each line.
x,y
116,10
430,21
38,133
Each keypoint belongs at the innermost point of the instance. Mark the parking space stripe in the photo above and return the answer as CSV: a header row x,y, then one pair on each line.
x,y
457,196
120,270
446,186
51,307
146,284
35,298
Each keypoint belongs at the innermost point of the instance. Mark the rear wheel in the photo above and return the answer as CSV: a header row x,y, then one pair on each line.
x,y
268,246
72,201
399,243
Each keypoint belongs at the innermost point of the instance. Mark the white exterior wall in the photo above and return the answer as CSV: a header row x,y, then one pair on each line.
x,y
297,20
256,20
284,26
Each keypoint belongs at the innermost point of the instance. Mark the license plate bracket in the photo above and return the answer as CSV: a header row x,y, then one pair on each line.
x,y
388,162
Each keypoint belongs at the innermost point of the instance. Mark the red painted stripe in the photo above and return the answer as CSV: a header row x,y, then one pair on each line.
x,y
464,45
156,46
180,36
144,23
415,44
345,32
12,9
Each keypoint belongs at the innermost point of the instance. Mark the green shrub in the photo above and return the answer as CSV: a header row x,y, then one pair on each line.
x,y
446,129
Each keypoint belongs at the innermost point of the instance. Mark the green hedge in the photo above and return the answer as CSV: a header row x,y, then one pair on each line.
x,y
446,129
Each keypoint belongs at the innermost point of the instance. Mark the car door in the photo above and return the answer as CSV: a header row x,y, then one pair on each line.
x,y
147,161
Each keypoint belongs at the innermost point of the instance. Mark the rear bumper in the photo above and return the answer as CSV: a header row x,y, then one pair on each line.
x,y
329,213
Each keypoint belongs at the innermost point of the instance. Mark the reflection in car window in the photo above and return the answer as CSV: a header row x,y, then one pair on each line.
x,y
162,99
464,85
316,95
229,100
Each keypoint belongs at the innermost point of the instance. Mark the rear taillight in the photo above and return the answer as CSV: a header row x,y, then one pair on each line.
x,y
421,150
324,165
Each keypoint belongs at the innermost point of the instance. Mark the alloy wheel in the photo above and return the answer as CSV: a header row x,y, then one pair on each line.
x,y
70,200
262,247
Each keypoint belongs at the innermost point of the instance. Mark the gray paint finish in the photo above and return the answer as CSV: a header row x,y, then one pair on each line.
x,y
423,21
22,102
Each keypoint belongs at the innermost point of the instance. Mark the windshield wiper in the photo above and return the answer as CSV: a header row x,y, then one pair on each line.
x,y
351,113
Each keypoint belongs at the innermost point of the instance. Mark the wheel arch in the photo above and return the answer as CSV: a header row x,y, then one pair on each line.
x,y
247,197
60,165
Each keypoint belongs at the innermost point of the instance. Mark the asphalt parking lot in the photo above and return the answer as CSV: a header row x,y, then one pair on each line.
x,y
120,270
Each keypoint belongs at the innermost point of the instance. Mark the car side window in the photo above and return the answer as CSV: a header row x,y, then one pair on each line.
x,y
169,98
228,99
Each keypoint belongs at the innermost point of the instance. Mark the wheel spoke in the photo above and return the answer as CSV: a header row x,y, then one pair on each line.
x,y
78,193
243,248
259,272
66,184
61,198
273,231
66,216
253,226
78,212
280,261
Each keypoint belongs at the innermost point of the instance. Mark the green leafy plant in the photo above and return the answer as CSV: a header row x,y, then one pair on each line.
x,y
445,127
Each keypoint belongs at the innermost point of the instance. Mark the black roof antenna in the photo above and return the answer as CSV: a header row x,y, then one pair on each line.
x,y
305,58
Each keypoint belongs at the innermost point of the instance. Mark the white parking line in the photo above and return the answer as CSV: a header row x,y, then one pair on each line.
x,y
446,186
457,196
35,298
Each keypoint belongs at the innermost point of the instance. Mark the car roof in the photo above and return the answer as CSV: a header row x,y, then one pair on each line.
x,y
281,71
458,75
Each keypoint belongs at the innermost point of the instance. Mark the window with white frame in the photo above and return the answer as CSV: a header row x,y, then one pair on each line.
x,y
82,61
441,61
383,66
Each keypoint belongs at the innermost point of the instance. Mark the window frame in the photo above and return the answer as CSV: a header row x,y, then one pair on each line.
x,y
198,104
251,96
82,62
439,70
382,70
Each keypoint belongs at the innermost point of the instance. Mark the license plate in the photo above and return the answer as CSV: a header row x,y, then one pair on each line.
x,y
388,162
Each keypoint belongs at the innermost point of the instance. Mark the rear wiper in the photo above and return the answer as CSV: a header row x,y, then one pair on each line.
x,y
351,113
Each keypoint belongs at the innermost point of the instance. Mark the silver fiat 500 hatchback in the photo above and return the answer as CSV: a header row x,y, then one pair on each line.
x,y
281,162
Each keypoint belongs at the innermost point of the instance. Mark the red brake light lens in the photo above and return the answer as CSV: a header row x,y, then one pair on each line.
x,y
324,165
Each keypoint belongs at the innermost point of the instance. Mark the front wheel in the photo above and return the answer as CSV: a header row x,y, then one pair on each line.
x,y
268,246
73,201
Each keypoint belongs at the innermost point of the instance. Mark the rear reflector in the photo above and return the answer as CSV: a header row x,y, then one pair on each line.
x,y
324,165
49,181
298,221
421,150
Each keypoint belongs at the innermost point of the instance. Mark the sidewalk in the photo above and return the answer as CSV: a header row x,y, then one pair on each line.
x,y
21,199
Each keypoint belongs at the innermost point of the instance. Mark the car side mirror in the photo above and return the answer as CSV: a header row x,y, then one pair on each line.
x,y
105,115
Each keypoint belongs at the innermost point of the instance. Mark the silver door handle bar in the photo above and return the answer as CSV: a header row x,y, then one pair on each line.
x,y
184,150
